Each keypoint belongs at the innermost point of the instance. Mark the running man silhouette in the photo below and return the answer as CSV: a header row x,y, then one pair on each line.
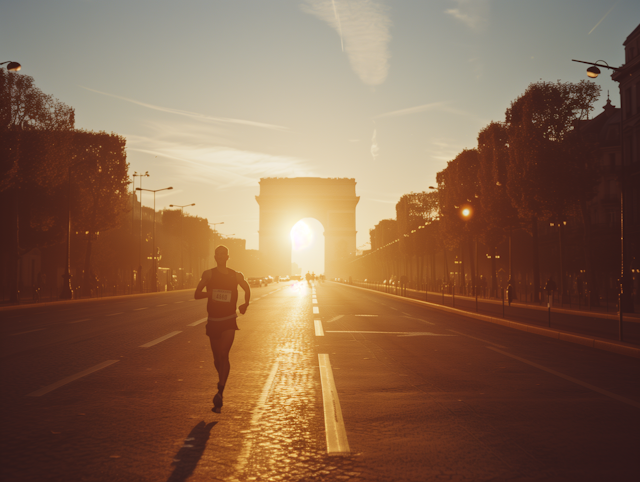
x,y
222,293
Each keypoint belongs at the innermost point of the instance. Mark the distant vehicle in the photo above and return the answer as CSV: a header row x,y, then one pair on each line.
x,y
285,278
268,279
297,277
255,282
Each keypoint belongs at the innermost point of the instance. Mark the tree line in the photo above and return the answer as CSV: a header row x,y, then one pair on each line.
x,y
535,166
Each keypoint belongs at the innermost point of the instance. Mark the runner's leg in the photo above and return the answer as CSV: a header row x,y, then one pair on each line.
x,y
220,347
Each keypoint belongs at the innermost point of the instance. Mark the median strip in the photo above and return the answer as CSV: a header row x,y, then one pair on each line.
x,y
64,381
161,339
336,433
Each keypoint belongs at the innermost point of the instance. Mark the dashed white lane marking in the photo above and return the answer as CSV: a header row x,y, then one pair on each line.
x,y
315,302
367,315
318,327
138,309
316,311
162,305
179,301
243,458
335,318
421,320
479,339
114,314
399,333
190,300
337,443
196,323
158,340
78,321
64,381
606,393
25,332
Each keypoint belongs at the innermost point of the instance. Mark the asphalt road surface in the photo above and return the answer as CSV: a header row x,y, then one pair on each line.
x,y
330,382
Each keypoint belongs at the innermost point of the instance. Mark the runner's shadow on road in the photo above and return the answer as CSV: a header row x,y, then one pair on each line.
x,y
189,455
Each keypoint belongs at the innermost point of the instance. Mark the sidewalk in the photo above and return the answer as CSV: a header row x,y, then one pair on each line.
x,y
598,330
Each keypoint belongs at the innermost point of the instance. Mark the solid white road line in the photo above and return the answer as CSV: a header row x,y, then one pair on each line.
x,y
25,332
162,305
318,326
372,316
114,314
64,381
335,318
78,321
400,333
316,311
138,309
179,301
479,339
606,393
337,443
158,340
196,323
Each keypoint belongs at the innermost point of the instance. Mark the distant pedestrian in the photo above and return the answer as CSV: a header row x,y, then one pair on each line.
x,y
222,293
510,292
550,287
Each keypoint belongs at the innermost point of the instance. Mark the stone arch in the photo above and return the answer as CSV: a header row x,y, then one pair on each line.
x,y
284,201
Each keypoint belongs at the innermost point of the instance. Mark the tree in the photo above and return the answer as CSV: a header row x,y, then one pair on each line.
x,y
100,179
499,213
542,166
34,142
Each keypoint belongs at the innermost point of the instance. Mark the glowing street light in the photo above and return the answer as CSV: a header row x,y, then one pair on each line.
x,y
13,66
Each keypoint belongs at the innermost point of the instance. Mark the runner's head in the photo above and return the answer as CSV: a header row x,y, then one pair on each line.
x,y
222,255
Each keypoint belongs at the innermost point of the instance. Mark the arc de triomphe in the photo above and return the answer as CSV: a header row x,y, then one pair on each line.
x,y
284,201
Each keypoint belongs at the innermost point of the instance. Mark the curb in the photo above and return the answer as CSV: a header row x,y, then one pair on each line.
x,y
620,348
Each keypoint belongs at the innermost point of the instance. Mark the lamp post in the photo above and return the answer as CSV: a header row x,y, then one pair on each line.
x,y
624,298
154,254
181,250
467,214
13,66
146,174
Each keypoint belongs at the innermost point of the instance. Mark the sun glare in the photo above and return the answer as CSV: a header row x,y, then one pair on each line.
x,y
301,236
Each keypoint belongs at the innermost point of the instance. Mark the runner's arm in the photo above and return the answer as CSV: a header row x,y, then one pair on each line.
x,y
247,293
199,294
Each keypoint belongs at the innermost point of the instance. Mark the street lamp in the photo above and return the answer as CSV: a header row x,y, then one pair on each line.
x,y
593,72
153,254
467,214
215,224
181,250
146,174
13,66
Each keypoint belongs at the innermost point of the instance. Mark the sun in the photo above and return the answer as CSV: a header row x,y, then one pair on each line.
x,y
301,236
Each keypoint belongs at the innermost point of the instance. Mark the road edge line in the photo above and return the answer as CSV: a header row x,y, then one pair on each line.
x,y
336,433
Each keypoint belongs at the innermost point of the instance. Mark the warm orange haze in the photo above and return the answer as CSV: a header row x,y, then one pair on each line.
x,y
355,240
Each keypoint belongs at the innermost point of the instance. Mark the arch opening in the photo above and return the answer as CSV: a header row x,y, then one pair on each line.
x,y
307,247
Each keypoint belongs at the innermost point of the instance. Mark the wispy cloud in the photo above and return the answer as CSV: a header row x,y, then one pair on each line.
x,y
196,155
193,115
605,16
363,27
375,150
473,13
434,106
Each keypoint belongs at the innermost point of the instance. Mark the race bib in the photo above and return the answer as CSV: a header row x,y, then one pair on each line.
x,y
221,296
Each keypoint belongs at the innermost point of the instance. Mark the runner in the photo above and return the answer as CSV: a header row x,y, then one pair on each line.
x,y
222,290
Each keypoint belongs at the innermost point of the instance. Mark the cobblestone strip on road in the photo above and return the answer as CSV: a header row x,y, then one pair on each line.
x,y
286,440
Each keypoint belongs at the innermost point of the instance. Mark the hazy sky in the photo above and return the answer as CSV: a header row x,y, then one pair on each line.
x,y
213,95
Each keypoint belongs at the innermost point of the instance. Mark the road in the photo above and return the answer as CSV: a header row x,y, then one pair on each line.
x,y
375,389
